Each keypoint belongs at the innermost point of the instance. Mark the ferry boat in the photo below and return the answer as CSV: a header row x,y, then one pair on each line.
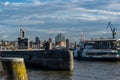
x,y
98,49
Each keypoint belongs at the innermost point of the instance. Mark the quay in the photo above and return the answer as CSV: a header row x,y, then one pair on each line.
x,y
47,59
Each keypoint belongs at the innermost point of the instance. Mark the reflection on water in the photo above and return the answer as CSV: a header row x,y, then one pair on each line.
x,y
83,70
91,70
50,75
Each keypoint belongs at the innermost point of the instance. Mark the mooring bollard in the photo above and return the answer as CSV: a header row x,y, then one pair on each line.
x,y
71,61
14,68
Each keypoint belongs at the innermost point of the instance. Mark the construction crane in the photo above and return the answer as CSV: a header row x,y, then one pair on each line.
x,y
113,29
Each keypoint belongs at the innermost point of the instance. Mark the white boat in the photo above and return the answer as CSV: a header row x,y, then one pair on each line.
x,y
98,49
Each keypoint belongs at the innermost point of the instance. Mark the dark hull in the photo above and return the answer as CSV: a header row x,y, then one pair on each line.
x,y
97,59
102,59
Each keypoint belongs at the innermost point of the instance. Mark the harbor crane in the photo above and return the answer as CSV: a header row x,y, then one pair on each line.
x,y
113,29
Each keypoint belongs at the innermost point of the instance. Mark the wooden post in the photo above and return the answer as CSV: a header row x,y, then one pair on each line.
x,y
14,68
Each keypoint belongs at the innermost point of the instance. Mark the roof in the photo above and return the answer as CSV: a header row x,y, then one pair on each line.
x,y
103,39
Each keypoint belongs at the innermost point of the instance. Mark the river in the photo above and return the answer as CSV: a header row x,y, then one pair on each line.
x,y
83,70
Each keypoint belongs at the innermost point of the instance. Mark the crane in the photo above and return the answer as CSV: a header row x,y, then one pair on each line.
x,y
113,29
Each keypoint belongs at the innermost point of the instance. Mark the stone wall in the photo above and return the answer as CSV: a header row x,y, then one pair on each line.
x,y
50,59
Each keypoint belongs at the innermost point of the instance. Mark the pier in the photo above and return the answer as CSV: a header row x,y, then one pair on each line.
x,y
47,59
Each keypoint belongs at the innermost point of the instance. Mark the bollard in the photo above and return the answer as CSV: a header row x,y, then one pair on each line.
x,y
14,68
71,61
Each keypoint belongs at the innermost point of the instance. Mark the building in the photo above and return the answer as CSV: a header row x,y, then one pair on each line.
x,y
23,43
37,42
22,33
50,40
7,45
60,40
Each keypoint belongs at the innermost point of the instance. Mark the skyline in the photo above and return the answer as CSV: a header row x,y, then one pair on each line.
x,y
47,18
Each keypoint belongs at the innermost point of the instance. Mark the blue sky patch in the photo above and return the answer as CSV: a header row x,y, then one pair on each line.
x,y
47,18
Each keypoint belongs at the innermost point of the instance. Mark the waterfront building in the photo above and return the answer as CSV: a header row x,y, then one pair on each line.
x,y
37,42
7,45
23,43
50,45
22,33
60,40
50,40
67,44
31,44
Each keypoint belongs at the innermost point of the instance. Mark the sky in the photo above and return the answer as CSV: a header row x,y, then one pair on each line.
x,y
47,18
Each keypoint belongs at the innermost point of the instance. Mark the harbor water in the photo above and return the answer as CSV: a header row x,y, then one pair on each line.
x,y
83,70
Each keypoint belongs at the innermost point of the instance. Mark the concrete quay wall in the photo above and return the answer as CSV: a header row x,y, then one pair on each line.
x,y
48,59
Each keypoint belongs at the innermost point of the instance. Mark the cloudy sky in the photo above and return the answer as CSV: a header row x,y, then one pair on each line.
x,y
47,18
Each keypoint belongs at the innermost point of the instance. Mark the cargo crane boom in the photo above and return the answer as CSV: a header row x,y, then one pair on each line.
x,y
113,29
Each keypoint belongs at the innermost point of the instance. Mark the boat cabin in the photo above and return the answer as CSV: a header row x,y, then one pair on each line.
x,y
102,44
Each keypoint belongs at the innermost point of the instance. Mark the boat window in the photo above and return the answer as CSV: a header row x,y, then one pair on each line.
x,y
89,45
103,45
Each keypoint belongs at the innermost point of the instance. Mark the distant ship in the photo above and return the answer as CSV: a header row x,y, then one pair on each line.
x,y
98,49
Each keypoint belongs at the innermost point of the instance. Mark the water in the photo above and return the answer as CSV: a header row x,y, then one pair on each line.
x,y
83,70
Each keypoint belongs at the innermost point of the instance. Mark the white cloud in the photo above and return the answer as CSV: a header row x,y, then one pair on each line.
x,y
113,6
7,3
17,4
4,37
60,14
47,31
13,3
23,21
36,2
96,11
